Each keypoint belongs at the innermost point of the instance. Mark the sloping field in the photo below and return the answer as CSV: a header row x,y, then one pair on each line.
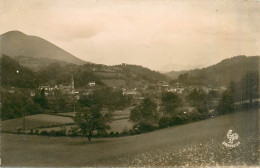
x,y
120,125
34,121
114,82
194,144
67,114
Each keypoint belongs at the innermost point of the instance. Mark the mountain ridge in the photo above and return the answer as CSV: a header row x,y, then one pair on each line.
x,y
17,44
230,69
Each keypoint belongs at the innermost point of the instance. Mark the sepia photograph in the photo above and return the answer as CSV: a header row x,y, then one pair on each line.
x,y
129,83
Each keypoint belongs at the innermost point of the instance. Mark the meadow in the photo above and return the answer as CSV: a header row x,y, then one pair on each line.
x,y
59,121
34,121
193,144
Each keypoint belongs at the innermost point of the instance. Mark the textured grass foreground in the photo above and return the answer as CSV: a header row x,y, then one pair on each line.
x,y
194,144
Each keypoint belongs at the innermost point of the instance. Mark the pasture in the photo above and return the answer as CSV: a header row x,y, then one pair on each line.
x,y
193,144
34,121
46,122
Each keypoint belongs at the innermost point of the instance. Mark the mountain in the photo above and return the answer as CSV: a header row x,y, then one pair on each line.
x,y
32,51
231,69
118,76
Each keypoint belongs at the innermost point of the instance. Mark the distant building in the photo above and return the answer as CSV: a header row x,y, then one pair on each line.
x,y
131,93
69,88
32,93
46,88
92,84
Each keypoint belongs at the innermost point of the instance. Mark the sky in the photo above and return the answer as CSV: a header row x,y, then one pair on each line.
x,y
162,35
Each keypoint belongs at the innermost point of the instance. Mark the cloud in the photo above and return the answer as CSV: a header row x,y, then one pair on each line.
x,y
149,33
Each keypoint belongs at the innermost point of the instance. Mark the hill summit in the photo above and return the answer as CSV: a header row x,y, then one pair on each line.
x,y
231,69
33,51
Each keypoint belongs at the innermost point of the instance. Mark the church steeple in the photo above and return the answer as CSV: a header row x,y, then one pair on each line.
x,y
72,85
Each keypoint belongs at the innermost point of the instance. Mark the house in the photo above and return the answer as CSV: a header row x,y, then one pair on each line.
x,y
46,88
68,88
92,84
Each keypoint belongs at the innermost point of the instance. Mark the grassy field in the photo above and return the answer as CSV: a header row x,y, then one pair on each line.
x,y
194,144
58,122
120,125
34,121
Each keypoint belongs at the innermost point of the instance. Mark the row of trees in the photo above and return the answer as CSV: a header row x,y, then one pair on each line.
x,y
247,89
147,116
171,111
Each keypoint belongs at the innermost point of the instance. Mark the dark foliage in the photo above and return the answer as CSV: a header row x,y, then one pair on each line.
x,y
91,120
170,101
15,75
145,115
108,97
16,105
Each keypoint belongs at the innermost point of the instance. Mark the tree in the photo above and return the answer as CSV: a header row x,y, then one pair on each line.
x,y
90,120
250,86
226,104
145,115
40,99
199,99
113,99
183,77
17,104
15,75
170,101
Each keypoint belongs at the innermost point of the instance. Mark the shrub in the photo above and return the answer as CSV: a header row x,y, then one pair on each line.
x,y
61,132
111,134
164,122
44,133
125,132
74,131
144,127
36,131
52,133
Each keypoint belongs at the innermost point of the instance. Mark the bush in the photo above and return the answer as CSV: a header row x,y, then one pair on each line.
x,y
52,133
111,134
143,128
61,132
165,121
74,131
44,133
181,116
102,134
36,131
125,132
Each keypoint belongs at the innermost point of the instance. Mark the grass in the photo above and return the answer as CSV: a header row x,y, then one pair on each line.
x,y
193,144
46,122
66,114
120,125
34,121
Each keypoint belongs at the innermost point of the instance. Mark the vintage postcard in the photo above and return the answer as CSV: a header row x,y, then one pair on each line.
x,y
129,83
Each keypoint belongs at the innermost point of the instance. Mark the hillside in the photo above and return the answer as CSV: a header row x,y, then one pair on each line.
x,y
32,51
195,144
15,75
114,76
231,69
